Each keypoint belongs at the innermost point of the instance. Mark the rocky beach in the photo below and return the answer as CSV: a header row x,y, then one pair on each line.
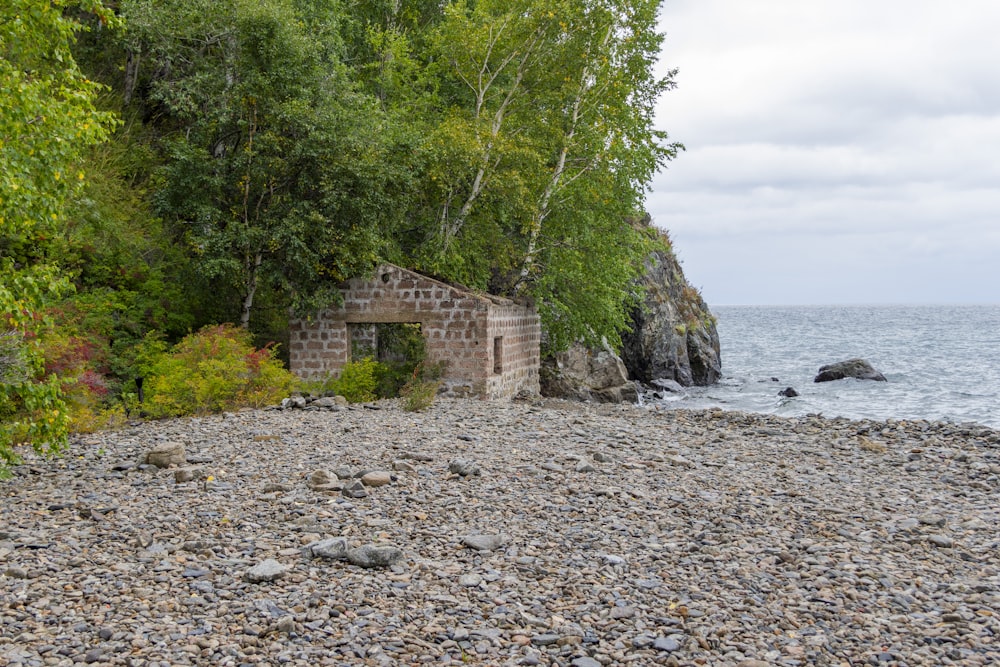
x,y
496,533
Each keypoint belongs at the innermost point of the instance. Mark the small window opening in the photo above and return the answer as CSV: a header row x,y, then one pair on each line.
x,y
498,355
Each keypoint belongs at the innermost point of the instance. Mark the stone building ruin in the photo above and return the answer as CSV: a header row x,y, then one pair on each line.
x,y
488,345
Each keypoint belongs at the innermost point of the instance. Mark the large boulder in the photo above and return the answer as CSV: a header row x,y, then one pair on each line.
x,y
852,368
585,374
673,335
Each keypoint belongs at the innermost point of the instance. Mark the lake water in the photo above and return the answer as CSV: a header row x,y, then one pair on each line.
x,y
941,362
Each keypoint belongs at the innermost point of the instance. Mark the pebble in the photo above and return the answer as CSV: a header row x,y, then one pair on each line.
x,y
484,542
371,555
464,467
701,538
334,548
166,455
267,570
376,478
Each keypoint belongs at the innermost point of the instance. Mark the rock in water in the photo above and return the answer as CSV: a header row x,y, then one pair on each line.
x,y
852,368
673,334
788,392
166,454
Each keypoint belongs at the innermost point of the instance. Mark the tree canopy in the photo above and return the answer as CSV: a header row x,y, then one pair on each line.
x,y
181,163
47,119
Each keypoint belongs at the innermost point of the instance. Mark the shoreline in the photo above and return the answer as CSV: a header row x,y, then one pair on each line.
x,y
630,535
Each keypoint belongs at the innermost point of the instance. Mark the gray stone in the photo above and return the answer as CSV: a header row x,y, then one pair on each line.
x,y
585,661
166,455
285,624
587,374
403,466
376,478
942,541
464,467
188,474
667,384
325,402
355,490
470,580
673,334
667,644
679,461
622,612
371,556
484,542
275,487
334,548
319,480
852,368
583,466
545,639
267,570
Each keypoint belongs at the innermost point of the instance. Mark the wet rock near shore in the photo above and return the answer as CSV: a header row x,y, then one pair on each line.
x,y
593,534
858,369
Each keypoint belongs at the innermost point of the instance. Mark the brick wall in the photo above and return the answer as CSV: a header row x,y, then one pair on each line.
x,y
460,328
515,333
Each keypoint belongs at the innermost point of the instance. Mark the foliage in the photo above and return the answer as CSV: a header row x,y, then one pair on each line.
x,y
538,148
212,370
47,119
401,349
356,381
422,388
274,175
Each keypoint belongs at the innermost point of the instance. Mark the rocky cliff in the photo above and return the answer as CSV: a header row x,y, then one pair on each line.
x,y
673,333
673,339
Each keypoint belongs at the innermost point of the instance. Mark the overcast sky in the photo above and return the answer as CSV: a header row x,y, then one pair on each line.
x,y
838,151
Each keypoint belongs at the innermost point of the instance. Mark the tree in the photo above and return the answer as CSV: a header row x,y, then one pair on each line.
x,y
274,174
544,147
47,118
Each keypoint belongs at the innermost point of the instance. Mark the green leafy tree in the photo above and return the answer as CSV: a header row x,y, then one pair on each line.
x,y
543,148
47,119
274,173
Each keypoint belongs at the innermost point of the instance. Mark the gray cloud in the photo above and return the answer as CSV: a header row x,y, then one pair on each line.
x,y
837,151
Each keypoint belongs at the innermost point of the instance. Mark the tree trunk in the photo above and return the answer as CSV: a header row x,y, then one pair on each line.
x,y
251,290
131,73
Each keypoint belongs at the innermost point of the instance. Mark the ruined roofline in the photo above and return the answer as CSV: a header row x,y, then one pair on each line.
x,y
466,291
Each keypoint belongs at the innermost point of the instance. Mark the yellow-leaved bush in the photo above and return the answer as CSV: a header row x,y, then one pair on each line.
x,y
213,370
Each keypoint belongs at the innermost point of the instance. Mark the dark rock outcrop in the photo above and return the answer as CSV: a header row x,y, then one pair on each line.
x,y
852,368
788,392
673,342
585,374
673,333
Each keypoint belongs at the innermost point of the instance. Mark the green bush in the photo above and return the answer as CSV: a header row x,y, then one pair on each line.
x,y
420,391
357,381
212,370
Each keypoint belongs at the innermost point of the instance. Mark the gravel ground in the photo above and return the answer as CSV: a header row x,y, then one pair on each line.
x,y
497,533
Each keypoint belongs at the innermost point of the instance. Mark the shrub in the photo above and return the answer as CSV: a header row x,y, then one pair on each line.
x,y
212,370
421,390
357,381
